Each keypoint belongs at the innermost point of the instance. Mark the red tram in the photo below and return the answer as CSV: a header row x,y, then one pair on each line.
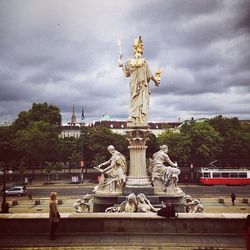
x,y
211,176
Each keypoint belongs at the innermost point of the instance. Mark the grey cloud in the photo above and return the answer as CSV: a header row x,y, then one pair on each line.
x,y
65,52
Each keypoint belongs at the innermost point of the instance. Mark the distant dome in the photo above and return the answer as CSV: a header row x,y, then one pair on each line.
x,y
106,118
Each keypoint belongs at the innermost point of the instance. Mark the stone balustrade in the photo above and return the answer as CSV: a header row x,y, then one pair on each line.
x,y
138,223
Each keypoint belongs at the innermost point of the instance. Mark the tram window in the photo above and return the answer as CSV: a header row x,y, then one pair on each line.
x,y
242,175
225,175
207,175
234,175
216,174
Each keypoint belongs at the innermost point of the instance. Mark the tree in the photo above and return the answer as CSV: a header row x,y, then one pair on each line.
x,y
96,140
49,166
179,145
21,169
196,143
67,148
236,139
37,142
58,167
39,112
36,133
8,151
206,143
152,144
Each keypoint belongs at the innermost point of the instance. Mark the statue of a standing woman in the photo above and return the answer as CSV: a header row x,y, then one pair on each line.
x,y
140,75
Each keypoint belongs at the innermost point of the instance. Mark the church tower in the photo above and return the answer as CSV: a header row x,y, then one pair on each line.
x,y
73,117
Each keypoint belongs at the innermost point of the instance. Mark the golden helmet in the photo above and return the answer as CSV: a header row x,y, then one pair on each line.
x,y
138,46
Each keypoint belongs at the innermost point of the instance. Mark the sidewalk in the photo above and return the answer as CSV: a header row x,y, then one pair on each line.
x,y
125,241
211,205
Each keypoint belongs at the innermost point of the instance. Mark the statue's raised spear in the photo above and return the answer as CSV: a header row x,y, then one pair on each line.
x,y
120,53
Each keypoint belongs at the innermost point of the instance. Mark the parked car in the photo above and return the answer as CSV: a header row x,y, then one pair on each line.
x,y
16,190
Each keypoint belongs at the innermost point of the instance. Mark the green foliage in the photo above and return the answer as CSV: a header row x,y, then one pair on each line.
x,y
152,144
34,138
226,139
37,141
98,159
21,169
179,145
196,142
68,149
206,142
236,138
96,140
34,134
39,112
49,167
58,166
8,151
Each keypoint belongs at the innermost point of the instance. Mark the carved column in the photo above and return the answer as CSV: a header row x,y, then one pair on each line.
x,y
137,147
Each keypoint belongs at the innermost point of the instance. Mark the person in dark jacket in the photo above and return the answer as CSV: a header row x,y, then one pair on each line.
x,y
30,196
233,198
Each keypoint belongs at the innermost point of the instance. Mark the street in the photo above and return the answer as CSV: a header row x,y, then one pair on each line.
x,y
69,193
74,190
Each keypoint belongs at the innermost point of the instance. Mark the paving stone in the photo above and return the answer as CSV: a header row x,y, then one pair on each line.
x,y
122,242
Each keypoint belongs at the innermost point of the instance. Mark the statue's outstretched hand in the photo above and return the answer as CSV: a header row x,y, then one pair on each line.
x,y
98,168
157,83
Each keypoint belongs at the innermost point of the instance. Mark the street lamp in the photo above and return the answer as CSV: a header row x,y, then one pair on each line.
x,y
4,206
81,161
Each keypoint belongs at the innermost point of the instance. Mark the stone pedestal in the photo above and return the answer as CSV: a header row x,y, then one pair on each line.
x,y
138,180
137,177
102,201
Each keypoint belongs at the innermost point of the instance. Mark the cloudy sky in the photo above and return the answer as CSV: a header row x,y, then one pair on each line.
x,y
65,53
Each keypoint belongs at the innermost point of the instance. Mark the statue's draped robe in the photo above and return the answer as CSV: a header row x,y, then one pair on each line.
x,y
140,77
160,171
118,172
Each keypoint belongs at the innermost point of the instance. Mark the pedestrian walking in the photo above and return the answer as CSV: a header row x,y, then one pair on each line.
x,y
233,198
30,196
31,180
54,215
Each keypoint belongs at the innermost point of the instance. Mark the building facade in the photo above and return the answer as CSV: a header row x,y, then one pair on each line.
x,y
119,127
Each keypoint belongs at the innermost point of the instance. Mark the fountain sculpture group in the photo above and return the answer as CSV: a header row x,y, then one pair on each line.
x,y
138,185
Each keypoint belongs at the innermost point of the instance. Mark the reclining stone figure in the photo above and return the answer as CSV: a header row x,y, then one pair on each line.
x,y
84,205
193,205
133,204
